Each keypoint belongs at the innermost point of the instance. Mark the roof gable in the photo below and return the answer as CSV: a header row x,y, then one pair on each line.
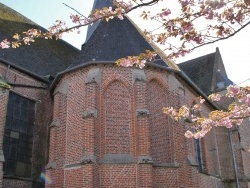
x,y
207,72
44,57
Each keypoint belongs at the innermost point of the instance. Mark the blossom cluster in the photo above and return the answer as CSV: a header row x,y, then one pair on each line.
x,y
224,18
138,61
199,126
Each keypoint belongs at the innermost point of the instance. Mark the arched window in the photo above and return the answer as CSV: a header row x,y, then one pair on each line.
x,y
117,119
160,128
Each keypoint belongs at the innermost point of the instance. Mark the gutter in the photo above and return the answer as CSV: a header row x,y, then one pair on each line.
x,y
22,70
28,86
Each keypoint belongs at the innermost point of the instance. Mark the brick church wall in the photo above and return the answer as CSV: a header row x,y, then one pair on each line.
x,y
111,132
43,117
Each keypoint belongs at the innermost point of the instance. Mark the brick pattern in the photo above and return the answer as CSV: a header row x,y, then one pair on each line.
x,y
118,176
117,129
4,93
160,129
43,116
117,119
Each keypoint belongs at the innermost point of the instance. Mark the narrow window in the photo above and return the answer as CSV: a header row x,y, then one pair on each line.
x,y
198,154
18,136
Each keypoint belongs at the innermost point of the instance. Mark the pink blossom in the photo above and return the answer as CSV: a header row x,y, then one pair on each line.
x,y
197,107
188,134
4,44
126,63
166,12
215,97
247,101
187,26
210,15
75,18
198,135
226,122
184,3
232,90
141,64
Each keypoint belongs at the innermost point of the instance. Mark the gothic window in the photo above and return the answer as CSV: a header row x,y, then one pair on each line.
x,y
117,119
18,136
160,125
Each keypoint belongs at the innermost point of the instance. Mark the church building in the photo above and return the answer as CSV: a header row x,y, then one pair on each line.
x,y
73,118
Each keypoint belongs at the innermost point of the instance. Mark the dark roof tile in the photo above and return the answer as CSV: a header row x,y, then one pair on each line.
x,y
44,57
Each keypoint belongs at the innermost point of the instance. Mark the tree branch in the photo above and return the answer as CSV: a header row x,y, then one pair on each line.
x,y
223,37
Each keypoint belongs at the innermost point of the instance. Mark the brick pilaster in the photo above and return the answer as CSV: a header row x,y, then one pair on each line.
x,y
4,95
143,136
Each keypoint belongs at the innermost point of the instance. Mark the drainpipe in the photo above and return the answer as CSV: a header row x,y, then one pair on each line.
x,y
234,160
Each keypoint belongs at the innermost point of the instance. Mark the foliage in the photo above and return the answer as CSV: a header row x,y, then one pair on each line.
x,y
199,126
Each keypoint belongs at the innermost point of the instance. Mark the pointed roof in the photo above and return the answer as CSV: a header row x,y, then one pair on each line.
x,y
113,40
109,41
207,72
98,4
44,57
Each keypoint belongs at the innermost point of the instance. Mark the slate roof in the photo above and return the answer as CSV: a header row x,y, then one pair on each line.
x,y
44,57
207,72
112,40
109,41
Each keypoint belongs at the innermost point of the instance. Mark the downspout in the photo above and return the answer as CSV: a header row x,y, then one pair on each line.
x,y
234,160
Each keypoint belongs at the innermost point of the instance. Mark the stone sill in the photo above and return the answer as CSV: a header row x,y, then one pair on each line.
x,y
167,165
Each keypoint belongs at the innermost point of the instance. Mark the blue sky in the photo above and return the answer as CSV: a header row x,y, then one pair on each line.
x,y
235,51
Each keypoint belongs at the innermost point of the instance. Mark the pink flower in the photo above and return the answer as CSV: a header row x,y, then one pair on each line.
x,y
215,97
187,27
166,12
126,63
197,107
198,135
4,44
226,122
232,90
184,3
188,134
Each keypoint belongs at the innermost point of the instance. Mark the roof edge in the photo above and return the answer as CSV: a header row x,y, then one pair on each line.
x,y
23,70
156,48
178,72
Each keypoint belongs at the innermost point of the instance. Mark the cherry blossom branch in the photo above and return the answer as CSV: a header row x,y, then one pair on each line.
x,y
223,38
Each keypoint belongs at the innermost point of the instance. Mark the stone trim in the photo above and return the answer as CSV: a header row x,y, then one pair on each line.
x,y
72,166
90,113
138,74
117,159
145,160
88,159
94,75
51,165
55,123
168,165
142,112
62,88
191,162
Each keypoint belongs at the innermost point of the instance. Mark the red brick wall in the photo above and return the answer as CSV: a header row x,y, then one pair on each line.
x,y
3,106
116,128
117,119
43,118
